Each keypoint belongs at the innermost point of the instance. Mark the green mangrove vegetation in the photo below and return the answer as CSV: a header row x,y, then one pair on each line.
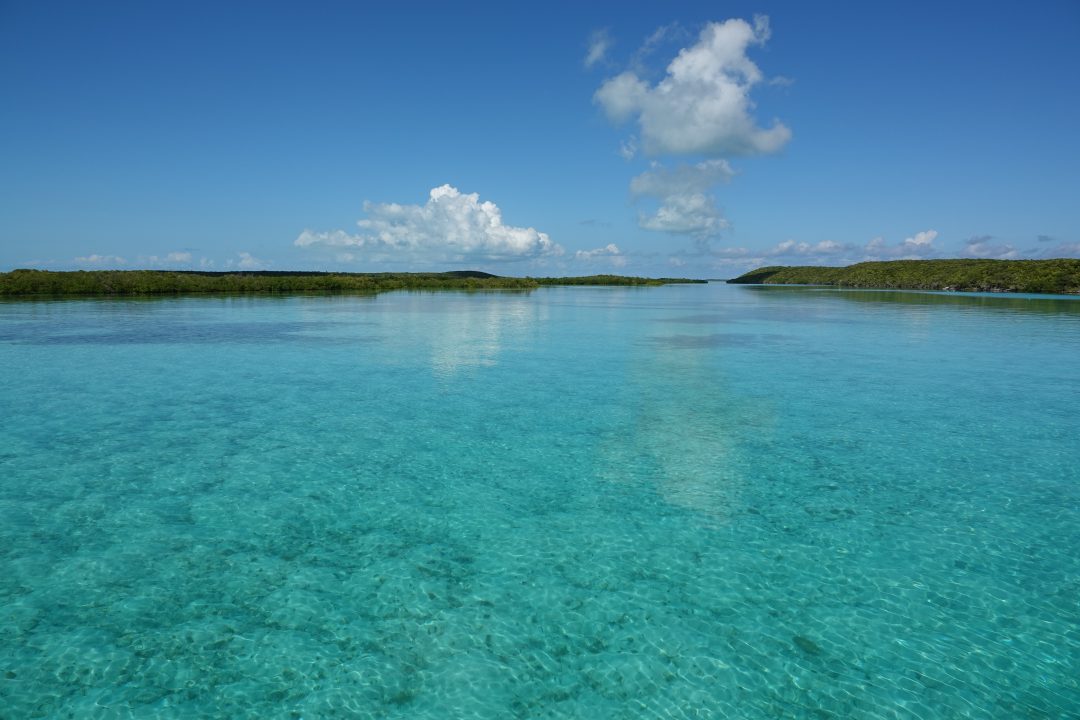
x,y
1060,276
21,283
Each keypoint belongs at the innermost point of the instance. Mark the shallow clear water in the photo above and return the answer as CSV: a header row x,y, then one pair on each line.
x,y
699,501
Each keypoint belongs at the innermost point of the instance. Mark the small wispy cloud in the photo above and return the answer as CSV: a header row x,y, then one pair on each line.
x,y
248,261
1060,250
599,43
610,253
822,249
96,260
918,246
179,258
983,246
921,245
664,35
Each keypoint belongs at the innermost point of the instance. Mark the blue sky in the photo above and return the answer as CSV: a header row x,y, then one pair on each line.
x,y
696,139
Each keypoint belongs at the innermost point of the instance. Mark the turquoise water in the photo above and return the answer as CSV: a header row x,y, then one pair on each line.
x,y
679,502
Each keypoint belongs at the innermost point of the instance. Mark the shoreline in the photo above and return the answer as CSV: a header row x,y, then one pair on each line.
x,y
148,283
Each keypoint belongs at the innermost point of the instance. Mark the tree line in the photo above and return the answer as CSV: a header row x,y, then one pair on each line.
x,y
1059,276
164,282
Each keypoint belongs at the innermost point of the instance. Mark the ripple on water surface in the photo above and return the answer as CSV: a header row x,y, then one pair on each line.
x,y
690,502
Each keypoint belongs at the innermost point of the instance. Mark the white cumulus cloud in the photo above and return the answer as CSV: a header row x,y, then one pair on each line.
x,y
685,203
450,226
702,105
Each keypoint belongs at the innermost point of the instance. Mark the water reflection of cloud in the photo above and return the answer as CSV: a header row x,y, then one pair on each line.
x,y
683,431
473,331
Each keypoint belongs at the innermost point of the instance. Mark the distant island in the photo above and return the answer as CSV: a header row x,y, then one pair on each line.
x,y
1060,276
25,283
